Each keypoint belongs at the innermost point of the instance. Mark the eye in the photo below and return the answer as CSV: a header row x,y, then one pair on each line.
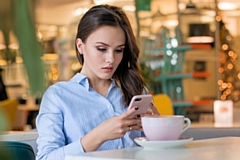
x,y
119,50
101,49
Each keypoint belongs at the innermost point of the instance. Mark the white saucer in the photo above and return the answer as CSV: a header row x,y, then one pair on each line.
x,y
144,142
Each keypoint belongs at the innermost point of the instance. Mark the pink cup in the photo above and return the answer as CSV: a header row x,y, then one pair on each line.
x,y
159,128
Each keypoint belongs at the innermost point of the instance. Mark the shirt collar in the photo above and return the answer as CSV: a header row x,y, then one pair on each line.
x,y
82,79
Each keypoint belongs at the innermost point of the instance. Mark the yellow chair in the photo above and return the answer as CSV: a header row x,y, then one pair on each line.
x,y
163,104
9,109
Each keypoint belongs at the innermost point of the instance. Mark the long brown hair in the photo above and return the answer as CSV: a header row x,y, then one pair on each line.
x,y
127,74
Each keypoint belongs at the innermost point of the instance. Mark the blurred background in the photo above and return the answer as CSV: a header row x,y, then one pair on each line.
x,y
208,30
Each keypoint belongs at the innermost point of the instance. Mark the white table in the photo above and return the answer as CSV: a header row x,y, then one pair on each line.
x,y
18,136
225,148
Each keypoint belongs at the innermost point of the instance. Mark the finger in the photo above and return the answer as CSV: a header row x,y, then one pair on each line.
x,y
133,122
149,112
135,127
139,125
129,112
154,109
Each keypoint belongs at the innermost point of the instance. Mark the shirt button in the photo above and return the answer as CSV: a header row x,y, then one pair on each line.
x,y
108,106
119,147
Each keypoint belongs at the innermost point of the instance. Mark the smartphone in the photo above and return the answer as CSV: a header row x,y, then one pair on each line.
x,y
142,102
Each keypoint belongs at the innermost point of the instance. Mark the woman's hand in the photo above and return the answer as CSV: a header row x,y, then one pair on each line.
x,y
117,126
113,128
153,110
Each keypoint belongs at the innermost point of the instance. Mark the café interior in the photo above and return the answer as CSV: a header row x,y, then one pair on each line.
x,y
189,56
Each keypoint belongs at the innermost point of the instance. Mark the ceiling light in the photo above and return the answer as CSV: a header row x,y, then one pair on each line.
x,y
200,39
191,5
227,6
19,59
171,23
200,33
50,57
181,6
3,62
97,2
13,46
2,46
129,8
78,11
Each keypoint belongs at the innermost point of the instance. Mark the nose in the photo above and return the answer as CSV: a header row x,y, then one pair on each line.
x,y
110,57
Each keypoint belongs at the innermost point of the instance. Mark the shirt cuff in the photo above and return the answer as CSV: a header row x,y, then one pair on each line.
x,y
74,148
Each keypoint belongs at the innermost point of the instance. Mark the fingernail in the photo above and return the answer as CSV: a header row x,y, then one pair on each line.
x,y
138,116
136,108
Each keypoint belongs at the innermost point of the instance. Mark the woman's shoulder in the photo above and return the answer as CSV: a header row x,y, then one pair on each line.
x,y
59,85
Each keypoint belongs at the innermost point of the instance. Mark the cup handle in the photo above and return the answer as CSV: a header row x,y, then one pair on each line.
x,y
187,125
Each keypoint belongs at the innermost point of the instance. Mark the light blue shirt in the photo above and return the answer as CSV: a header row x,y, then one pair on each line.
x,y
69,110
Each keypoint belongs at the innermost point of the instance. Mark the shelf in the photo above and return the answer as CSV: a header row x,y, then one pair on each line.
x,y
163,50
202,58
180,48
173,76
192,103
201,74
182,103
202,102
179,106
200,46
170,73
182,75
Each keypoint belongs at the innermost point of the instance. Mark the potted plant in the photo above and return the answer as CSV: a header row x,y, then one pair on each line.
x,y
17,16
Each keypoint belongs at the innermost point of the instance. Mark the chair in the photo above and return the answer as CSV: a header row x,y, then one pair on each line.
x,y
163,104
28,137
168,69
9,108
12,150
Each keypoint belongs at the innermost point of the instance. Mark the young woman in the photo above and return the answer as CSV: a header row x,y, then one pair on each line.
x,y
89,112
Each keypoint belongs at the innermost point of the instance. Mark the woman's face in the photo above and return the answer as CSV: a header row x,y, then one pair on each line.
x,y
102,52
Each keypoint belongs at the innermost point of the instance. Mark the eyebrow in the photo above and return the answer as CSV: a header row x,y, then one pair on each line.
x,y
122,45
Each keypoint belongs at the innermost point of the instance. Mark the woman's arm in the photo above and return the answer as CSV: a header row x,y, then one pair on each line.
x,y
50,123
52,142
113,128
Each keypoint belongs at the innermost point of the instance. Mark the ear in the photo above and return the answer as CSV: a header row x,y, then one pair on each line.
x,y
79,45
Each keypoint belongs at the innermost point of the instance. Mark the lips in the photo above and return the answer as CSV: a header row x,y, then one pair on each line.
x,y
107,69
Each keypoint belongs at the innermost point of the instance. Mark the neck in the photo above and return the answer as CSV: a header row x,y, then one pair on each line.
x,y
100,86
